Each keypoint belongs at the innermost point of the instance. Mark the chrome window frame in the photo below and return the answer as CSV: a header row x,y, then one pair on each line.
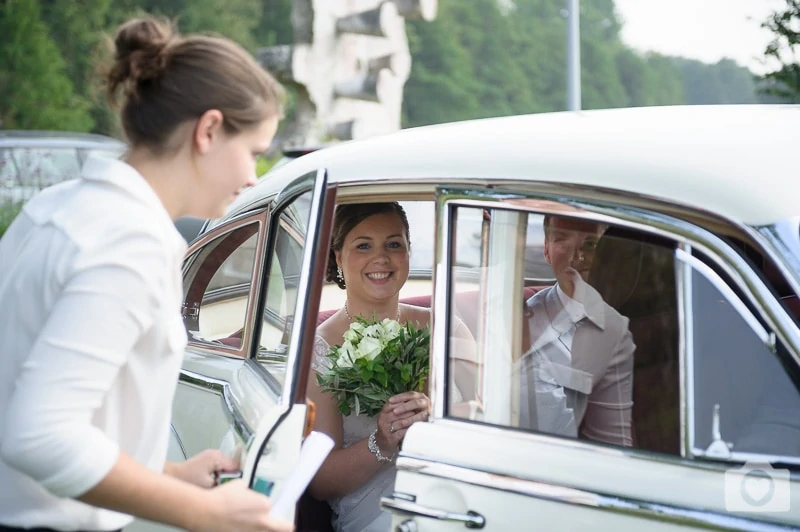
x,y
262,218
600,206
316,183
223,390
783,248
690,264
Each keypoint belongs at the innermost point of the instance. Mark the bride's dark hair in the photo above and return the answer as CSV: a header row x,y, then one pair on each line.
x,y
346,218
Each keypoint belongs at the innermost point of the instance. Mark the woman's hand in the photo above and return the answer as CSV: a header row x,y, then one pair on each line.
x,y
234,506
200,468
399,413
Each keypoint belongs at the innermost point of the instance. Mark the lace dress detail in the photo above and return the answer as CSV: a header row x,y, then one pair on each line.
x,y
360,509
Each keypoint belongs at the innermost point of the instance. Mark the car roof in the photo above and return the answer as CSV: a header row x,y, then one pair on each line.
x,y
35,138
738,161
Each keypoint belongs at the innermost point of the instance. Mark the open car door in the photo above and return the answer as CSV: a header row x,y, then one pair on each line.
x,y
250,305
282,340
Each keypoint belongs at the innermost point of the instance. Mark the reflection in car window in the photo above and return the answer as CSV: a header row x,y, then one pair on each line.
x,y
290,226
576,326
735,369
25,171
218,294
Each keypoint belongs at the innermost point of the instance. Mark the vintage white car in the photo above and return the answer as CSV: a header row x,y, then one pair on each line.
x,y
701,254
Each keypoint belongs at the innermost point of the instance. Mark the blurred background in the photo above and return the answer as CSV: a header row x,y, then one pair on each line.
x,y
474,59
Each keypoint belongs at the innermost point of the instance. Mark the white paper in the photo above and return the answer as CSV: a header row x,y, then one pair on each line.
x,y
313,452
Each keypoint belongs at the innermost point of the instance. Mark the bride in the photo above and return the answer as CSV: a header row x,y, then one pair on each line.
x,y
369,259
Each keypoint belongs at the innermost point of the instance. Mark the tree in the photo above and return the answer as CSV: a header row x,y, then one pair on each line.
x,y
275,26
35,89
441,87
724,82
235,19
78,29
785,25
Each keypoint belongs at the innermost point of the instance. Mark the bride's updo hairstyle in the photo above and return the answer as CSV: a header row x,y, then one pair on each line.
x,y
347,217
166,80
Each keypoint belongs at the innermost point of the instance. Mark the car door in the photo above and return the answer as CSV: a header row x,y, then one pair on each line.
x,y
485,464
250,310
286,328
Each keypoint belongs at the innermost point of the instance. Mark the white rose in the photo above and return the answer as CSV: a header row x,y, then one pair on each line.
x,y
368,348
351,336
347,355
357,327
391,328
374,331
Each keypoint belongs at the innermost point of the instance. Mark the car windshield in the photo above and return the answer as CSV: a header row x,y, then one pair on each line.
x,y
785,239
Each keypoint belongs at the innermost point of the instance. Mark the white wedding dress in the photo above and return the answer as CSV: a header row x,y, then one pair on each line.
x,y
360,509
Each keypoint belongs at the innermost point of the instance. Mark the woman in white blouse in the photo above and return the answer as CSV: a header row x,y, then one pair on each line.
x,y
91,337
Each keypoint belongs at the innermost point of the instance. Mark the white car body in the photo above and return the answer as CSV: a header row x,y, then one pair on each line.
x,y
715,183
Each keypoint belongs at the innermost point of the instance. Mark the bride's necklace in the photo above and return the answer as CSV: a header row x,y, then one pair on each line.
x,y
350,318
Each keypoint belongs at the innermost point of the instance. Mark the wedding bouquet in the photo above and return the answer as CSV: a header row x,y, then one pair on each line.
x,y
376,361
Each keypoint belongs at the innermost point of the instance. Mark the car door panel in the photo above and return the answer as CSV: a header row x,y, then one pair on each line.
x,y
557,484
217,396
270,467
244,406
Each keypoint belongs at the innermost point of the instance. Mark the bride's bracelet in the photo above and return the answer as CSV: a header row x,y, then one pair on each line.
x,y
372,445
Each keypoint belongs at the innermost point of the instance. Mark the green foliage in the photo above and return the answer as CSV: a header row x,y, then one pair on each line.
x,y
36,91
275,26
264,163
235,19
723,82
784,83
8,211
478,58
441,86
375,362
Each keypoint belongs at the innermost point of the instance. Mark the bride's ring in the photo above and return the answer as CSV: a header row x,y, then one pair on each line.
x,y
391,428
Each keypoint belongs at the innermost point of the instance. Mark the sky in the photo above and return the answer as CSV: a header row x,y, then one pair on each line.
x,y
708,30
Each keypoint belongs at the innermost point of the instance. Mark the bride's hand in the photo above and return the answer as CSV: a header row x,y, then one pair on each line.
x,y
399,413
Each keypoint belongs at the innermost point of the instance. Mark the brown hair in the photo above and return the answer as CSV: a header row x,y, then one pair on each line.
x,y
168,79
548,221
346,218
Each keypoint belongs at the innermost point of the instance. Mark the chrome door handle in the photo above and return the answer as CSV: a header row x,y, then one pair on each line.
x,y
470,519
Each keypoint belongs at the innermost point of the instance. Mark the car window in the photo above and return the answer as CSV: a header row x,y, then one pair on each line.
x,y
108,153
594,354
599,364
289,227
738,378
422,230
218,289
28,170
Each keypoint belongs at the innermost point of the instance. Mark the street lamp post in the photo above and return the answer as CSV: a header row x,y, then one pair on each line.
x,y
573,56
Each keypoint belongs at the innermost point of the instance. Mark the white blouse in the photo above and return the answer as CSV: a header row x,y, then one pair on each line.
x,y
91,341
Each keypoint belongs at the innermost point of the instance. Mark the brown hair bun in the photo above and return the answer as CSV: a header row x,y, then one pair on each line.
x,y
141,53
170,79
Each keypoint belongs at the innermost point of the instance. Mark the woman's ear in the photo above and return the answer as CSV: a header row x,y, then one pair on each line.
x,y
338,255
207,130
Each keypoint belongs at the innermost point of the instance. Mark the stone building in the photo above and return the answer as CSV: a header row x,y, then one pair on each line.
x,y
348,65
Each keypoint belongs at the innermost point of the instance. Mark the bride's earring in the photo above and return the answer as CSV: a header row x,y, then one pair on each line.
x,y
339,274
